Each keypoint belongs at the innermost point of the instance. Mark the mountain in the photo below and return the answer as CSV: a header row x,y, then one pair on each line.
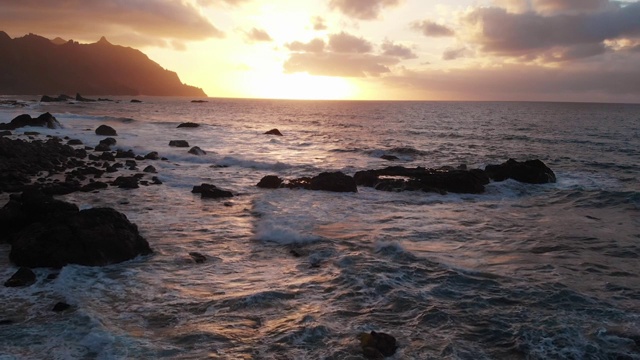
x,y
34,65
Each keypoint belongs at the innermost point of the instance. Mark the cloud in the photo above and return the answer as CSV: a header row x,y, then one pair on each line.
x,y
167,19
395,50
592,82
362,9
318,23
313,46
258,35
455,53
347,43
339,64
430,28
530,34
228,2
343,55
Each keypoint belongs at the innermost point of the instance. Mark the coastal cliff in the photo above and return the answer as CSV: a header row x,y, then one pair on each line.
x,y
33,65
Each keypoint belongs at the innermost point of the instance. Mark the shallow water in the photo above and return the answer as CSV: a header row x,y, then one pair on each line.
x,y
519,272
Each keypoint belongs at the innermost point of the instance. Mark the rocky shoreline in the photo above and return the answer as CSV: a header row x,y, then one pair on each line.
x,y
35,168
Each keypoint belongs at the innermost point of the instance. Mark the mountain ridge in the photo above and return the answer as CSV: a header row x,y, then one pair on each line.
x,y
35,65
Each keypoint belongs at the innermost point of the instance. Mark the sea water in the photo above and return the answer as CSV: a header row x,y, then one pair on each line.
x,y
519,272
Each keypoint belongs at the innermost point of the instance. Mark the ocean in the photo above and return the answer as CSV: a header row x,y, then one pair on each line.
x,y
521,271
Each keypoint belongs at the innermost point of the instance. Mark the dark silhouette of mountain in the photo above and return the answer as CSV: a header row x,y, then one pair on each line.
x,y
34,65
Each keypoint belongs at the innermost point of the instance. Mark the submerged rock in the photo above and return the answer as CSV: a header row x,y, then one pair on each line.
x,y
399,178
273,132
188,125
23,277
60,306
530,171
197,257
376,345
270,182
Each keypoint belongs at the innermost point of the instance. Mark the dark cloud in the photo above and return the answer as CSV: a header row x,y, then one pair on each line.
x,y
400,51
455,53
318,23
313,46
88,19
569,6
362,9
429,28
509,34
347,43
258,35
616,83
339,64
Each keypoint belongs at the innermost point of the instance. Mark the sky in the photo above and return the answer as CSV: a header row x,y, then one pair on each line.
x,y
531,50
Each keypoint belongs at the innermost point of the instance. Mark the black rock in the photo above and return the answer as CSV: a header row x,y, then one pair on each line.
x,y
178,143
211,191
197,257
149,169
389,157
333,181
106,130
152,156
126,182
74,142
44,120
375,344
83,99
60,306
274,132
135,101
197,151
270,182
188,125
93,237
23,277
530,171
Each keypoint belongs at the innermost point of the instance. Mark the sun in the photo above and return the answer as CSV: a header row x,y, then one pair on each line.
x,y
301,86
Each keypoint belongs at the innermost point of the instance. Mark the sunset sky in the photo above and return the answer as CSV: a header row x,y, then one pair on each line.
x,y
560,50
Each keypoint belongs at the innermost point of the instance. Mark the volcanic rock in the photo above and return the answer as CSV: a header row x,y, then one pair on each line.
x,y
178,143
23,277
274,132
106,130
211,191
530,171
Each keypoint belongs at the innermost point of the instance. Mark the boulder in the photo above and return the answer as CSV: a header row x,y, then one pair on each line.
x,y
92,237
23,277
530,171
106,130
270,182
44,120
376,345
197,151
274,132
211,191
83,99
127,182
5,133
152,156
74,142
149,169
333,181
178,143
188,125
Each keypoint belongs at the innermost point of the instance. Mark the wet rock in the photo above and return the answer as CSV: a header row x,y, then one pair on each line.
x,y
178,143
389,157
270,182
273,132
5,133
23,277
44,120
149,169
188,125
83,99
135,101
93,186
60,307
333,181
126,182
92,237
74,142
530,171
211,191
152,156
156,181
106,130
377,345
197,257
197,151
399,178
121,154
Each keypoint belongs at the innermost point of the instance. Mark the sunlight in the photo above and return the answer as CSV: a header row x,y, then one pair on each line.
x,y
301,86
